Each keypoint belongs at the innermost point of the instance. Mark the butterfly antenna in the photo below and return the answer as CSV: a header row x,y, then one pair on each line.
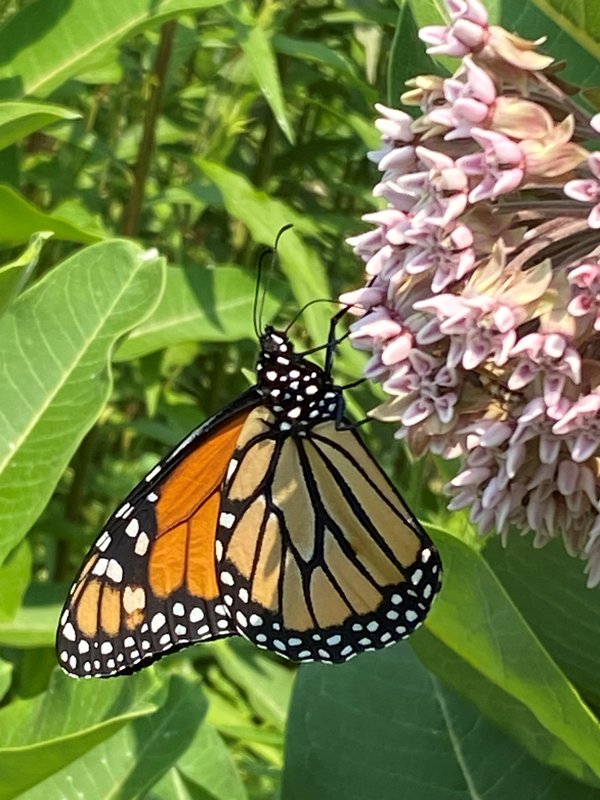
x,y
257,313
273,252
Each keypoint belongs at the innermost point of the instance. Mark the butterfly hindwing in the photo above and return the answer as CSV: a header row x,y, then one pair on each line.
x,y
148,585
319,558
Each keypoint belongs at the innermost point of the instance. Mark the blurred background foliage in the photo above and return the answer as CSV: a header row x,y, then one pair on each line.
x,y
198,129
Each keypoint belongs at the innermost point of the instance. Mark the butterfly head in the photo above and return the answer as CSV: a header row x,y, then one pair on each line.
x,y
298,392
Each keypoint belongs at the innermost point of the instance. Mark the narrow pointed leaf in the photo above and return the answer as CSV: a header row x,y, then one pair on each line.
x,y
15,275
20,219
18,120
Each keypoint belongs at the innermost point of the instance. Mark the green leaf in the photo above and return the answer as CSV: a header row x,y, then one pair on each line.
x,y
6,672
15,575
200,304
40,736
580,21
548,587
383,727
476,620
32,626
18,120
20,219
15,275
51,41
266,683
255,40
125,766
306,50
264,217
55,345
205,770
407,58
500,707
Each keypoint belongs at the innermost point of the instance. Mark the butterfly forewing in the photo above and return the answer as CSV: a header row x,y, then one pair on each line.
x,y
148,585
319,558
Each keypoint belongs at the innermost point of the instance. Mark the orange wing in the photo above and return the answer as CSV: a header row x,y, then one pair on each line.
x,y
148,585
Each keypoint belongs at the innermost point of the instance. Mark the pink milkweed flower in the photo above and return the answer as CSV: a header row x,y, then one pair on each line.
x,y
588,191
585,283
501,165
547,355
481,311
444,187
468,30
470,102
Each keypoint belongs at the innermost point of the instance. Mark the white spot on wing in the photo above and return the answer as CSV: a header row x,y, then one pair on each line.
x,y
416,576
122,510
100,567
114,571
69,632
158,620
153,472
227,578
141,544
133,599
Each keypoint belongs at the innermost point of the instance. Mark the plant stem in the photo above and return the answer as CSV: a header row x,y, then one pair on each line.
x,y
133,209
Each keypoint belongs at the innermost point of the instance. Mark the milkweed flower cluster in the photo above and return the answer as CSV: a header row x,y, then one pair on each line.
x,y
481,311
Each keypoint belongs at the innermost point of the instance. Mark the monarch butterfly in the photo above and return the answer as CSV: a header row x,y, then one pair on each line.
x,y
271,520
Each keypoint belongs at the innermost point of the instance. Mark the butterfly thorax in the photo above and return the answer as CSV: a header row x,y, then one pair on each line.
x,y
299,393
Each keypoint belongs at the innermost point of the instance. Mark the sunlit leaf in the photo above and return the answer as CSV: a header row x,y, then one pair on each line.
x,y
18,120
15,575
20,219
49,41
15,275
55,344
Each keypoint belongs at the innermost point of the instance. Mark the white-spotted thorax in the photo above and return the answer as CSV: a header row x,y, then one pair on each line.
x,y
299,393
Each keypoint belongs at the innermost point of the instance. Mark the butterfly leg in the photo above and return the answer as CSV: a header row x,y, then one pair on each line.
x,y
333,340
